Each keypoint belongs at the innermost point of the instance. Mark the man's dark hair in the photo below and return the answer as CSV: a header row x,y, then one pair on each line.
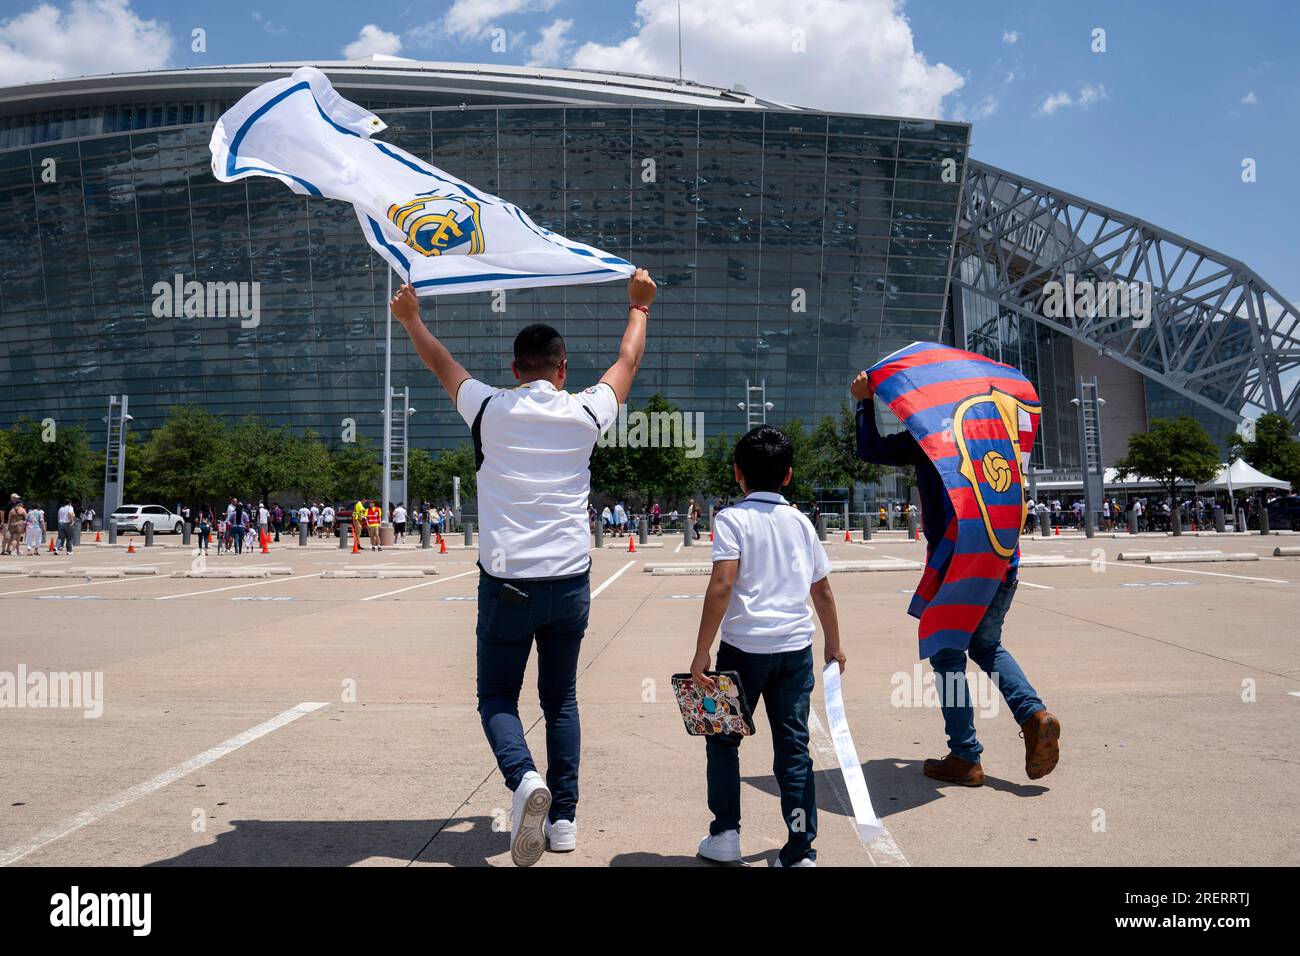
x,y
764,454
539,349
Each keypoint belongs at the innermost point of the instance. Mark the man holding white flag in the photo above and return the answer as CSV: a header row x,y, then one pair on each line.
x,y
440,233
533,447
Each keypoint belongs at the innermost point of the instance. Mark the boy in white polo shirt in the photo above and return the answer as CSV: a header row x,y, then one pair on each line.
x,y
766,562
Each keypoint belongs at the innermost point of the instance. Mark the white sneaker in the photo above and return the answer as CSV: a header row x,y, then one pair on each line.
x,y
561,835
721,847
804,862
532,802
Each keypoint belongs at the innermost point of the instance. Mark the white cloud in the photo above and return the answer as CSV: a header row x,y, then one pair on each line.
x,y
86,38
472,19
1088,94
1055,102
551,45
1250,99
980,111
859,55
372,40
1010,36
268,25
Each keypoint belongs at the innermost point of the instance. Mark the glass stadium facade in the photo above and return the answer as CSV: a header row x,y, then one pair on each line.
x,y
791,247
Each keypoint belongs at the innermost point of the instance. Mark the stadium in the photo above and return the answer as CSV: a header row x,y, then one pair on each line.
x,y
792,246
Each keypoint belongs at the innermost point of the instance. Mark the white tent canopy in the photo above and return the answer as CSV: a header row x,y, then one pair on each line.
x,y
1240,476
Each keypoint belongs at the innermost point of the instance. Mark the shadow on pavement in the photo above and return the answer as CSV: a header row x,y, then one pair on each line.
x,y
347,842
896,785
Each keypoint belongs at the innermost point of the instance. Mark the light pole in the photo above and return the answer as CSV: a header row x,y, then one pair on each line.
x,y
396,452
755,411
1088,405
384,490
115,453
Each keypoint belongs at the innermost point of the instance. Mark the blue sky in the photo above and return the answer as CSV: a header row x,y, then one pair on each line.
x,y
1157,125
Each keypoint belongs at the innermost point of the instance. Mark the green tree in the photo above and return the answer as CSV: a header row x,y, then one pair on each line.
x,y
174,462
310,468
1172,452
255,458
834,454
713,473
1274,450
47,463
356,470
657,456
452,463
613,473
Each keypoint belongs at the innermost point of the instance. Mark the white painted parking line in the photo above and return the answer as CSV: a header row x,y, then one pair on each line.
x,y
883,850
1041,587
232,587
1213,574
611,579
83,584
422,584
116,802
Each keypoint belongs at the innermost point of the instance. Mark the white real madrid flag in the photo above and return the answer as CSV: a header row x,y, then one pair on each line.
x,y
439,232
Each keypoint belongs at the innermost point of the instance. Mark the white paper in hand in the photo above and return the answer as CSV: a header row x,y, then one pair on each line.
x,y
864,815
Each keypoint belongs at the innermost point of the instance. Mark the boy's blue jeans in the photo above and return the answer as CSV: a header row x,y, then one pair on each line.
x,y
555,615
785,682
987,652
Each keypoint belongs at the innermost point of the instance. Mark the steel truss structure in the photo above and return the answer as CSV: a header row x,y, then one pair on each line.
x,y
1215,331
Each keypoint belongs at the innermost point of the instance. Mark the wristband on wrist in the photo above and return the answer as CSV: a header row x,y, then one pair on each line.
x,y
642,308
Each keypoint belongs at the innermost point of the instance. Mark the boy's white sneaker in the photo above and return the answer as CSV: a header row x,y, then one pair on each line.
x,y
721,847
561,835
532,802
804,862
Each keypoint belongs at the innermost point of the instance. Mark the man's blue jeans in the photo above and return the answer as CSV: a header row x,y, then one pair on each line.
x,y
554,613
785,682
990,656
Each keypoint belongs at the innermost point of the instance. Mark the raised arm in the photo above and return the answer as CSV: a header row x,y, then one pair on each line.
x,y
406,309
898,449
640,294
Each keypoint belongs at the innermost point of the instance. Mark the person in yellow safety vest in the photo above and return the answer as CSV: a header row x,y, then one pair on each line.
x,y
358,520
374,515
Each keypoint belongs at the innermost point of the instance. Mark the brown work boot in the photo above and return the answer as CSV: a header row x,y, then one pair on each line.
x,y
952,769
1042,733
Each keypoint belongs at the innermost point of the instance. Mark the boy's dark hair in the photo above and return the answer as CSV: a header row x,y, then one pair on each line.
x,y
764,454
539,349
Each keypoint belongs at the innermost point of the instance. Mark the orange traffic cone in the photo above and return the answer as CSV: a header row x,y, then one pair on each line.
x,y
51,546
265,540
356,549
442,545
96,537
130,546
846,535
1058,530
710,535
631,545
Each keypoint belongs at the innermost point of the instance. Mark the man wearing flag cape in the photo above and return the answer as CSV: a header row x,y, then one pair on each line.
x,y
969,430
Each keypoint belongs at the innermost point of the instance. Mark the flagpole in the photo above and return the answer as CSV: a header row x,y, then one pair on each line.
x,y
388,396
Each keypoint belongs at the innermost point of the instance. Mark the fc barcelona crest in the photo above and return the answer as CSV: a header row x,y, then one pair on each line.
x,y
435,224
987,430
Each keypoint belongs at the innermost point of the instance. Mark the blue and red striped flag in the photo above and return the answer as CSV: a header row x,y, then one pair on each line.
x,y
976,419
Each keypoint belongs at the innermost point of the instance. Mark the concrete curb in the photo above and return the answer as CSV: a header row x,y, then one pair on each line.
x,y
224,573
1172,558
1143,555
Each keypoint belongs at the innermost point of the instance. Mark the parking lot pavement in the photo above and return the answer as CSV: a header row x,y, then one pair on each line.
x,y
302,720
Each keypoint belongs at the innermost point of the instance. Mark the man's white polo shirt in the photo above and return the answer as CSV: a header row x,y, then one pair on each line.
x,y
780,559
534,447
